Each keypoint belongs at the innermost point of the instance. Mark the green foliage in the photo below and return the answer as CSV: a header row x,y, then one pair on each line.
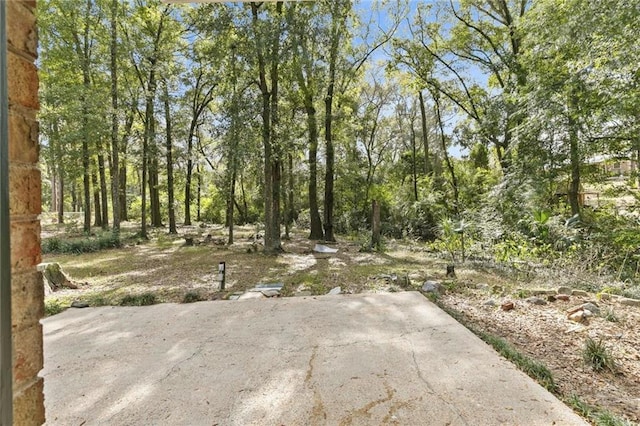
x,y
597,356
610,315
53,307
598,416
191,297
99,242
144,299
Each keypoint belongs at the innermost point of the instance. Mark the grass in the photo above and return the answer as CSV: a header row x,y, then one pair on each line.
x,y
53,307
598,356
609,314
80,245
597,416
191,297
144,299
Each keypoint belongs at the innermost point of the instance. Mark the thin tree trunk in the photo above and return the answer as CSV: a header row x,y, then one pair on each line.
x,y
199,193
96,198
104,220
122,173
187,186
316,223
61,199
413,162
574,187
169,141
425,135
115,159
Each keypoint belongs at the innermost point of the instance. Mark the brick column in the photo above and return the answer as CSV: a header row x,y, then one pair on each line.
x,y
27,293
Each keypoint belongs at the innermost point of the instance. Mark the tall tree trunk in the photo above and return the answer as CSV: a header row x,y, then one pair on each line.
x,y
154,188
199,193
169,141
291,184
413,162
96,198
115,159
74,197
574,158
104,212
122,173
272,243
336,38
425,135
61,199
187,185
312,124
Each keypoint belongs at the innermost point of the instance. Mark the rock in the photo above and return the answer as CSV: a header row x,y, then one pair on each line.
x,y
563,297
251,295
431,287
591,307
482,286
565,290
334,291
579,293
551,298
78,304
536,301
574,309
507,306
270,293
578,317
629,302
604,296
490,302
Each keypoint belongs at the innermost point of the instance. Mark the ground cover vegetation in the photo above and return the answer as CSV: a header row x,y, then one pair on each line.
x,y
490,134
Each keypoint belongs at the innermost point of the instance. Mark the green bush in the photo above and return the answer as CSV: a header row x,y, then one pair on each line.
x,y
144,299
598,356
52,307
81,245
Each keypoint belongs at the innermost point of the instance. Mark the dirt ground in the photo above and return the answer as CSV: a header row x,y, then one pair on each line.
x,y
175,272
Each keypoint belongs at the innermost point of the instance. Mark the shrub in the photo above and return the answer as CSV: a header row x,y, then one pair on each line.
x,y
191,297
596,354
144,299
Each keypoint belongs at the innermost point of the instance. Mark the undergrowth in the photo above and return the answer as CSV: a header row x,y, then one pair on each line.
x,y
80,245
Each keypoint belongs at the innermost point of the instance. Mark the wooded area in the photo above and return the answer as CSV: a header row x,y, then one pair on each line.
x,y
480,126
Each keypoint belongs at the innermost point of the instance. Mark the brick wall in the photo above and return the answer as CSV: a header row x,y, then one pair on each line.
x,y
24,206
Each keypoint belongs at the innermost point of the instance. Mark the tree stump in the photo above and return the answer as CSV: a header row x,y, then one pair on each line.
x,y
451,271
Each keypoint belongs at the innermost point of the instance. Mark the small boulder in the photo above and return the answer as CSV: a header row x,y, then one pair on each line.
x,y
431,287
507,306
536,301
335,291
591,307
78,304
563,297
579,293
564,290
490,302
270,293
578,316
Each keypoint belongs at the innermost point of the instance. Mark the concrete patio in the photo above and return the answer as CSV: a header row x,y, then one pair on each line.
x,y
330,360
